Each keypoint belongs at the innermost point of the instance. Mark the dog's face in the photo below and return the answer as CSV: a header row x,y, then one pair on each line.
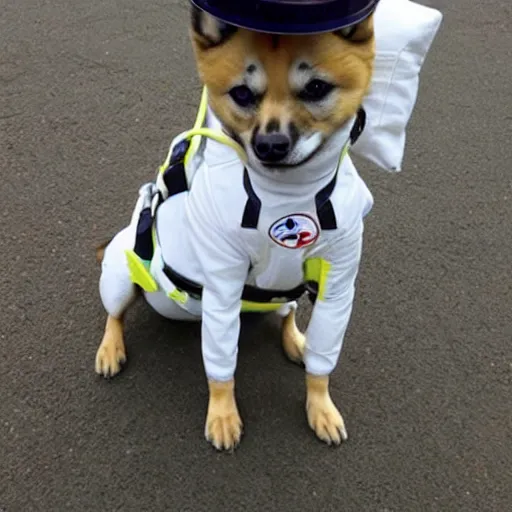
x,y
282,97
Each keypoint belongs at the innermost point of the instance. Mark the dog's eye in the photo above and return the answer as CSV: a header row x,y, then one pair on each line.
x,y
315,90
243,96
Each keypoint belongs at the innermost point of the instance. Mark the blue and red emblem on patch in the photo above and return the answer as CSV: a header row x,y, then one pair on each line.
x,y
294,231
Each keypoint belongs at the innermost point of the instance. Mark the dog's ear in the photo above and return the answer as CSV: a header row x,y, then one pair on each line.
x,y
209,31
359,33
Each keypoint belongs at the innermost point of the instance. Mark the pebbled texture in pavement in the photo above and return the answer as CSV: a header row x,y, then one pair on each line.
x,y
91,93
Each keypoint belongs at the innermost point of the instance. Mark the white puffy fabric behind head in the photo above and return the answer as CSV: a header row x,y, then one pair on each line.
x,y
404,32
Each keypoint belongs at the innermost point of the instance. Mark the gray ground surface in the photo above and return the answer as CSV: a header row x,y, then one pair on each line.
x,y
91,93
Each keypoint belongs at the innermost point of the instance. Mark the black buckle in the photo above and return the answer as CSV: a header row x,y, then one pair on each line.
x,y
174,176
144,237
179,151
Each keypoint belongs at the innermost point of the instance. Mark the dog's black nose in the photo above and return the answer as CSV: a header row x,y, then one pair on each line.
x,y
271,147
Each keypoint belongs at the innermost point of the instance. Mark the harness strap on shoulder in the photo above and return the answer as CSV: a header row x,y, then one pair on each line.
x,y
143,237
171,180
252,208
175,182
358,126
174,176
139,258
325,210
316,270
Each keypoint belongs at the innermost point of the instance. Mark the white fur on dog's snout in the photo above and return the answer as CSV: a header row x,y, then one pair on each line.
x,y
312,155
305,146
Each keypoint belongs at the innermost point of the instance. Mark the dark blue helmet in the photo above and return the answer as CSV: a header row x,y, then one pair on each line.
x,y
289,16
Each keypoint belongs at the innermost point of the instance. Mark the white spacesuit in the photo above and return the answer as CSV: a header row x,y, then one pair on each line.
x,y
227,232
227,237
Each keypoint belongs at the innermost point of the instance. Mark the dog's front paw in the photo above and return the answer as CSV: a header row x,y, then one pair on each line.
x,y
111,353
323,416
325,419
223,423
224,430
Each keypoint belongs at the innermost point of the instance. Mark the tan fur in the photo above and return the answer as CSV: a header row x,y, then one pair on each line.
x,y
100,251
111,353
323,416
348,62
293,340
223,423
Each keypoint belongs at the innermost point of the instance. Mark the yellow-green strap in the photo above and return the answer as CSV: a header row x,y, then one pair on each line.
x,y
198,131
317,270
139,272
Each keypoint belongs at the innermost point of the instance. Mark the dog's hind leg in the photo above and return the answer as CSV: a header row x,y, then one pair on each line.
x,y
111,353
117,294
292,339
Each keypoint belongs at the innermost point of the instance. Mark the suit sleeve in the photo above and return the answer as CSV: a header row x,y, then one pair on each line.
x,y
225,266
333,307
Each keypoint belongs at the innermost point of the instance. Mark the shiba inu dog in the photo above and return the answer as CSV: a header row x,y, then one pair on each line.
x,y
256,206
282,97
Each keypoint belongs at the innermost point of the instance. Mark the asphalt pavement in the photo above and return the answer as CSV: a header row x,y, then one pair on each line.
x,y
91,93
